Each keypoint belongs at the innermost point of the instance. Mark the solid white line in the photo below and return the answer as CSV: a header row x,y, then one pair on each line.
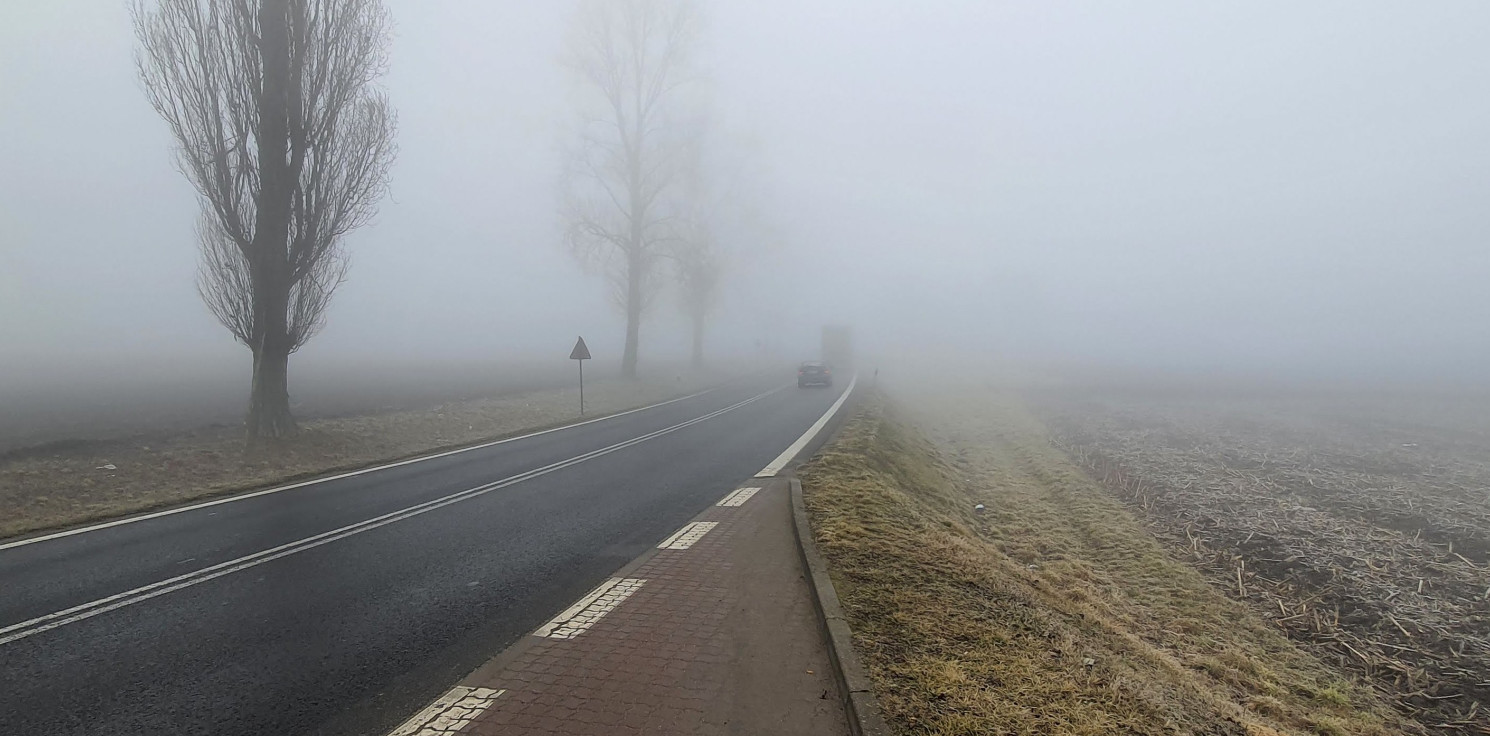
x,y
77,613
349,474
786,456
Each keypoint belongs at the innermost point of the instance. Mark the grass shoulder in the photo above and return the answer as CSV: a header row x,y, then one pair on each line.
x,y
1055,611
75,483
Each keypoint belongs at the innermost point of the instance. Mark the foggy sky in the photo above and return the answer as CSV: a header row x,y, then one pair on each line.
x,y
1249,187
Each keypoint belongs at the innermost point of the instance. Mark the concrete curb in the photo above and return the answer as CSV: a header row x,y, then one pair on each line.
x,y
864,715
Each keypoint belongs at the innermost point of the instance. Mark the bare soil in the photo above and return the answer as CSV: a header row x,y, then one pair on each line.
x,y
65,483
1358,525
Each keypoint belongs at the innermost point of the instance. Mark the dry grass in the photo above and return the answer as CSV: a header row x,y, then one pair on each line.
x,y
1361,531
1055,612
71,484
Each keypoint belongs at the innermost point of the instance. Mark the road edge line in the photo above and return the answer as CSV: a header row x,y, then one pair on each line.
x,y
864,714
773,469
861,708
57,619
245,494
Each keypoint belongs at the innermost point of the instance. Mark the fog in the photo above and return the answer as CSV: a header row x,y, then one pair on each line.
x,y
1268,190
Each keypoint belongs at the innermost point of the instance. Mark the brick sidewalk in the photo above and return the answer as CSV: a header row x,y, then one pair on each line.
x,y
714,632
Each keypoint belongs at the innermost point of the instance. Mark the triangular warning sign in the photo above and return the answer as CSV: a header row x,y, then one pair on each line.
x,y
580,352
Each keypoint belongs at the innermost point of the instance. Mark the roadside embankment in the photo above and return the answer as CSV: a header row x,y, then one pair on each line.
x,y
65,485
1053,612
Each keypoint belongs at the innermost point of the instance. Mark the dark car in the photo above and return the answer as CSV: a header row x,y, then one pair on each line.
x,y
814,373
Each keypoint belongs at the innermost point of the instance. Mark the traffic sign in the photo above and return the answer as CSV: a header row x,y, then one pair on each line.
x,y
581,353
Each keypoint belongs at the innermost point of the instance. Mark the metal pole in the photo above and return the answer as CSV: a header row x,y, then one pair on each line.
x,y
581,387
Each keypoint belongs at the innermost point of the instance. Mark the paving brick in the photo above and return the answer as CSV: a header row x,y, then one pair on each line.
x,y
715,634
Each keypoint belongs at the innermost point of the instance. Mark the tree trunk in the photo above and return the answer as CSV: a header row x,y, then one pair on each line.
x,y
633,313
269,400
698,341
269,396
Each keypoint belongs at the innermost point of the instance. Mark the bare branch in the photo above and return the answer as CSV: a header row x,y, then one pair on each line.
x,y
288,146
634,60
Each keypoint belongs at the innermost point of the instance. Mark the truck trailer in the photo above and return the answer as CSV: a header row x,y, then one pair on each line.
x,y
838,346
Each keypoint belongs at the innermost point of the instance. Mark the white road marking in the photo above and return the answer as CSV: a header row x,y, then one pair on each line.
x,y
738,497
451,712
77,613
690,533
350,474
786,456
579,617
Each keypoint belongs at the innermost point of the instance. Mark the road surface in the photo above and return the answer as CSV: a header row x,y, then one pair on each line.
x,y
342,606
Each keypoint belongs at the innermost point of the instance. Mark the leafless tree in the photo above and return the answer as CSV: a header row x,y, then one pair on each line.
x,y
699,265
714,226
634,59
288,146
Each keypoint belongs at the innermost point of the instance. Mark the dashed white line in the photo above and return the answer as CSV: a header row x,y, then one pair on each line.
x,y
450,713
738,497
690,533
579,617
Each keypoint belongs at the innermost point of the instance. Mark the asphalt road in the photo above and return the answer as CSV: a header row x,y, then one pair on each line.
x,y
343,606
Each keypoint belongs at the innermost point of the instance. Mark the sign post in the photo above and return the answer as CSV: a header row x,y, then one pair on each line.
x,y
581,354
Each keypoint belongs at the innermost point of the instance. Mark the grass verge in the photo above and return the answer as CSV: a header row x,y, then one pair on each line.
x,y
1054,612
99,480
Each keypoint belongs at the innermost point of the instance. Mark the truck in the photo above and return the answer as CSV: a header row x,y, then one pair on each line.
x,y
838,346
